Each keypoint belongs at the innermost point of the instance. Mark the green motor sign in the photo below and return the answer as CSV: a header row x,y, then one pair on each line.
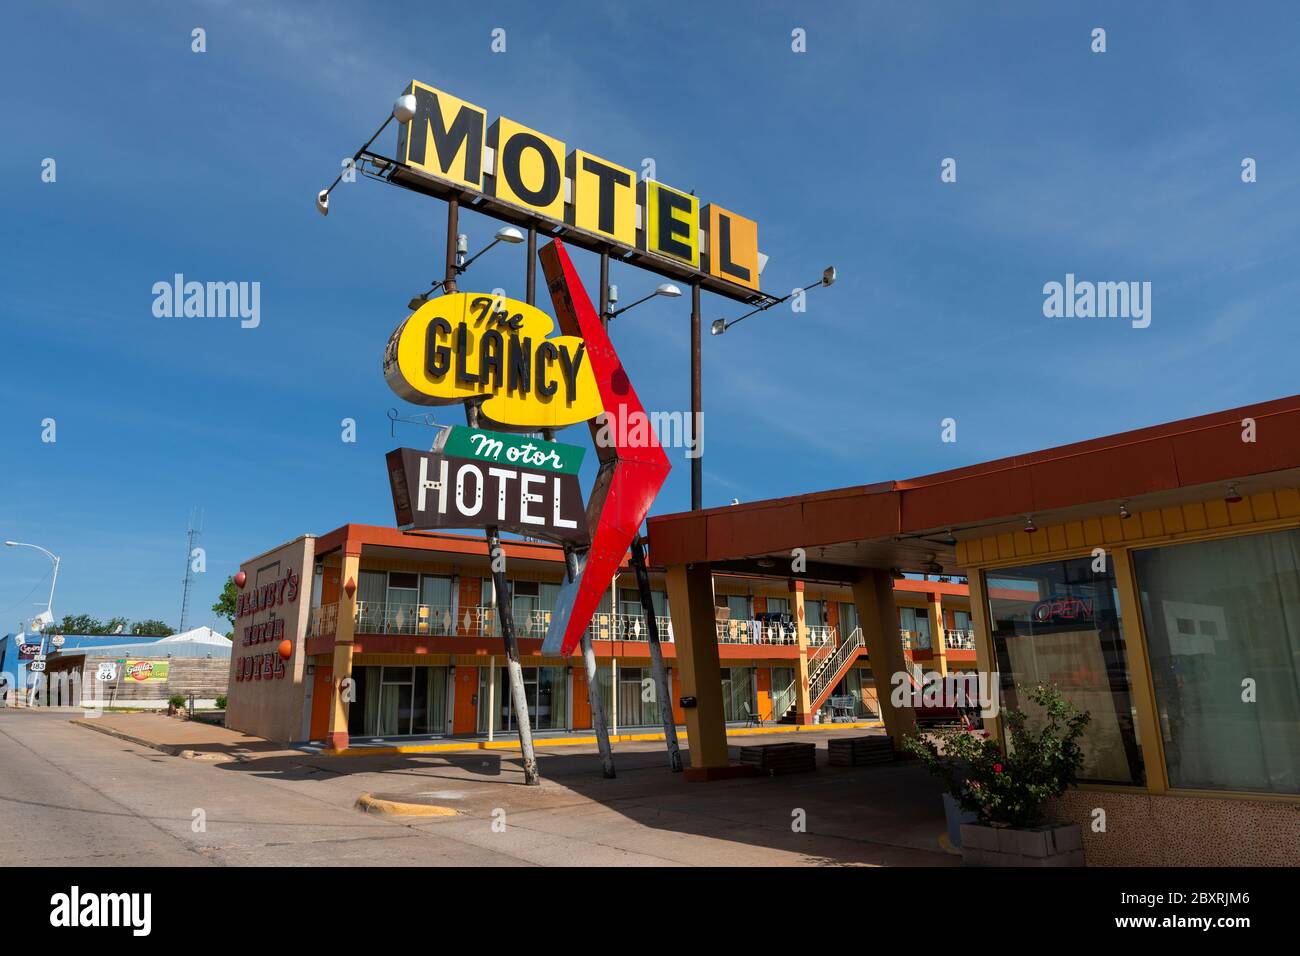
x,y
517,450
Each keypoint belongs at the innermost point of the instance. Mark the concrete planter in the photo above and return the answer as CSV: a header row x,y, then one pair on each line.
x,y
955,817
1057,844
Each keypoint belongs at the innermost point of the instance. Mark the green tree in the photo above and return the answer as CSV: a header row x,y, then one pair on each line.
x,y
85,624
151,628
225,606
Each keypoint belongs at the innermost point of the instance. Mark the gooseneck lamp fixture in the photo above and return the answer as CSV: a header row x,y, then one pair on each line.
x,y
403,110
720,326
666,289
507,234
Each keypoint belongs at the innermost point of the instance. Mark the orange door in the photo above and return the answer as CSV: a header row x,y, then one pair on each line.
x,y
322,695
764,675
464,712
581,702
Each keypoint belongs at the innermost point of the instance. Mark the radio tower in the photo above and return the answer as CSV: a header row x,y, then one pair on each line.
x,y
190,537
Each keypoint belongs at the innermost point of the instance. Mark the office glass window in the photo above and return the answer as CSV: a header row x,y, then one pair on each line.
x,y
1222,622
1059,623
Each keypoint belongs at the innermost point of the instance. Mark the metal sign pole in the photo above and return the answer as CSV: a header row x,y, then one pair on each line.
x,y
505,614
593,688
656,656
571,566
697,403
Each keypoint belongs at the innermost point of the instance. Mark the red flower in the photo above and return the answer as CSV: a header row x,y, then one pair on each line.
x,y
997,768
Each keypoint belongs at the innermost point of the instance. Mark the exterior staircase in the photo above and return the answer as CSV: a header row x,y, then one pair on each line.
x,y
825,669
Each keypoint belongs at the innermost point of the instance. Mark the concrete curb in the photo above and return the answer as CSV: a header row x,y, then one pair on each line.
x,y
544,742
170,749
369,803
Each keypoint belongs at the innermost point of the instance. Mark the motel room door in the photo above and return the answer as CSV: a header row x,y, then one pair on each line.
x,y
322,695
464,713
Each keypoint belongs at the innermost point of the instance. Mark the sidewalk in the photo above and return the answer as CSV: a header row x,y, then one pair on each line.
x,y
182,738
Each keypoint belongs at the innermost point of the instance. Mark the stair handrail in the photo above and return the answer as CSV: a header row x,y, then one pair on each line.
x,y
833,666
819,658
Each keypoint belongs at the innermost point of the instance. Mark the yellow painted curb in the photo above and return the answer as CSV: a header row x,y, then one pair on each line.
x,y
542,743
368,803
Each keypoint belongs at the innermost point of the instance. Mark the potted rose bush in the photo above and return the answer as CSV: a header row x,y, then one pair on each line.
x,y
1006,792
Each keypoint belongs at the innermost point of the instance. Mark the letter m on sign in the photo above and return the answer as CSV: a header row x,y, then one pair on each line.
x,y
444,138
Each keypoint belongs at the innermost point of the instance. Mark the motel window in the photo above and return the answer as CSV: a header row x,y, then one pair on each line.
x,y
1059,623
848,618
1222,621
738,605
526,603
372,595
738,693
435,591
544,690
961,620
629,602
916,620
782,677
549,595
398,701
778,605
814,613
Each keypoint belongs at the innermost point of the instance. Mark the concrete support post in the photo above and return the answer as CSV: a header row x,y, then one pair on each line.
x,y
803,703
344,633
690,603
937,641
873,593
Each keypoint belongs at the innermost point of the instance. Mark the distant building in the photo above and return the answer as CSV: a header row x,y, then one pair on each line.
x,y
119,670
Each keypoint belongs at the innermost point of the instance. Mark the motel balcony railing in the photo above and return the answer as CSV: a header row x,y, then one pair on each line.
x,y
475,621
771,632
959,639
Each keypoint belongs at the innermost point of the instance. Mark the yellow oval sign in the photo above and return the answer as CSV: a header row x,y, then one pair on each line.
x,y
472,344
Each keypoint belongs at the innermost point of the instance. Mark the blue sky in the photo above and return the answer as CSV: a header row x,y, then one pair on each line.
x,y
1116,166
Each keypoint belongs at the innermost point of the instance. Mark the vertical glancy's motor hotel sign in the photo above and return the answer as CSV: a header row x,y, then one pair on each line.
x,y
451,141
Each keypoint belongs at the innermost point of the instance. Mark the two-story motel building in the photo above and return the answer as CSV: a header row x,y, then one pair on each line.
x,y
411,618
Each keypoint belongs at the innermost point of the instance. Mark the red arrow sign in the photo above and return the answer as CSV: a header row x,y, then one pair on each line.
x,y
631,473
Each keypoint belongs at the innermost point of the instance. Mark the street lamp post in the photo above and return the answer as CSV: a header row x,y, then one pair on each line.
x,y
49,604
48,617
